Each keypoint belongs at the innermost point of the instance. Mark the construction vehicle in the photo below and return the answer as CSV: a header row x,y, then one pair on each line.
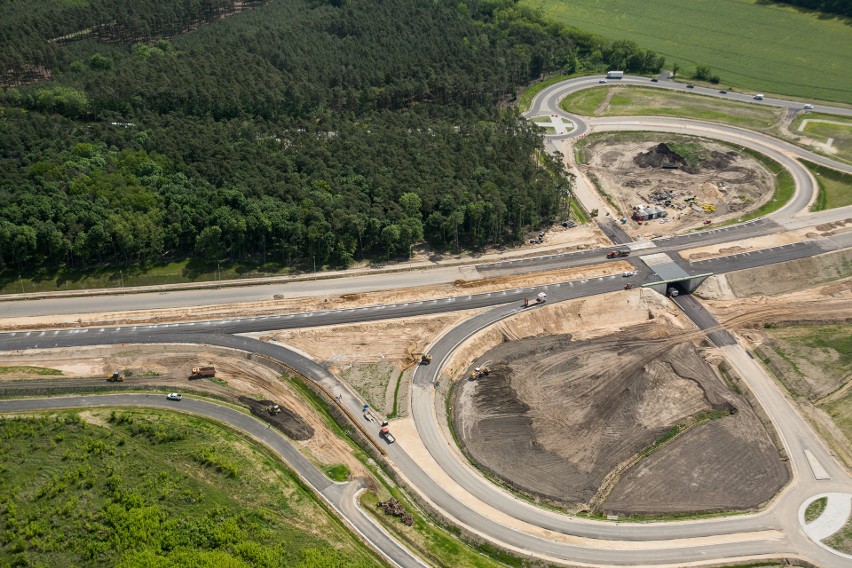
x,y
708,208
618,253
273,409
426,359
115,378
203,373
540,299
628,286
479,372
385,433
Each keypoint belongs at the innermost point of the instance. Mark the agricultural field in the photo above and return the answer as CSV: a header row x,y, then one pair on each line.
x,y
142,488
747,44
639,101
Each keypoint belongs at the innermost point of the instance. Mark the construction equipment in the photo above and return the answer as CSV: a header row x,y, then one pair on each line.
x,y
202,372
708,208
628,286
479,372
115,378
426,359
273,409
618,253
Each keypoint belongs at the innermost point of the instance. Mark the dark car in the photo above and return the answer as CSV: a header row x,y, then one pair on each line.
x,y
690,86
655,80
723,92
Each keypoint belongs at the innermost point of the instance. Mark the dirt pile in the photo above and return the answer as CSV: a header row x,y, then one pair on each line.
x,y
556,417
279,416
659,156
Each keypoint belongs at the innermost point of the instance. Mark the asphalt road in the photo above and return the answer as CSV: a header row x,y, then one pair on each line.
x,y
774,531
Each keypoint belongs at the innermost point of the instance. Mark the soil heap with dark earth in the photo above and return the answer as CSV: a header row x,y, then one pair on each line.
x,y
555,417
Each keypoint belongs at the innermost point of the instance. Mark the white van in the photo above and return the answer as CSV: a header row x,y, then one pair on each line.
x,y
758,97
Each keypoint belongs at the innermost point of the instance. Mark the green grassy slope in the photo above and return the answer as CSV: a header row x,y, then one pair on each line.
x,y
761,48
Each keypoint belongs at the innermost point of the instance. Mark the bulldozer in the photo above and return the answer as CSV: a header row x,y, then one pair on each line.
x,y
273,409
115,378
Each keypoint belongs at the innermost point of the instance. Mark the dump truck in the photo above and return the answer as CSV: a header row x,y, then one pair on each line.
x,y
115,378
385,433
618,253
202,372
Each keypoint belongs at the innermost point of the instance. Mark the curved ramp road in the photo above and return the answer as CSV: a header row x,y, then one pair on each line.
x,y
497,515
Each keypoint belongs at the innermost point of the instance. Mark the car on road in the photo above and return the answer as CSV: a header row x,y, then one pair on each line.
x,y
723,92
758,97
173,396
628,273
690,86
602,81
655,80
808,106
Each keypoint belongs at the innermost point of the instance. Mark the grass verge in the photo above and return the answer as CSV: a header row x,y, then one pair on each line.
x,y
25,370
815,509
835,188
525,100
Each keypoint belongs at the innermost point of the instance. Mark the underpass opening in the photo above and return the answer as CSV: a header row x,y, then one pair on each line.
x,y
678,286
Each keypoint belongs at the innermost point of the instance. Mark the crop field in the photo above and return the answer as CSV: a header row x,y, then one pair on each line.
x,y
636,101
764,48
149,488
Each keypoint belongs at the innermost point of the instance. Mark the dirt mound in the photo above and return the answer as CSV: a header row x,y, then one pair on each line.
x,y
285,420
659,156
556,417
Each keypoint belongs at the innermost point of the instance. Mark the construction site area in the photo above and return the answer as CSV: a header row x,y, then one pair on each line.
x,y
630,411
665,184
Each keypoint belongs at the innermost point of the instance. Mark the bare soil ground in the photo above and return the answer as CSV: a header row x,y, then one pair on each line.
x,y
168,367
631,172
556,417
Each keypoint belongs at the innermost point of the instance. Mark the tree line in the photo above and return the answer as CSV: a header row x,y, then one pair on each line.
x,y
300,131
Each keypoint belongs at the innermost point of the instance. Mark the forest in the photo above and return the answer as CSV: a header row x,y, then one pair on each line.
x,y
289,132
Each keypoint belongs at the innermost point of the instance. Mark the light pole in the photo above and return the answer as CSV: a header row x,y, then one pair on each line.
x,y
218,274
21,282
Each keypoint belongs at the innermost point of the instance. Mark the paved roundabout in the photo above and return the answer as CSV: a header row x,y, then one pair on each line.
x,y
465,496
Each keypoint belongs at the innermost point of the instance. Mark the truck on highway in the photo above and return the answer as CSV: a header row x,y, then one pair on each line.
x,y
618,253
540,299
615,74
385,433
203,373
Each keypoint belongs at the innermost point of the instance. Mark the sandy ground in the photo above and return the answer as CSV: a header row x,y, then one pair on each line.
x,y
727,182
169,366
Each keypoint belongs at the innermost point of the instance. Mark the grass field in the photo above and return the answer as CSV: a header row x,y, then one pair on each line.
x,y
835,188
765,48
25,370
639,101
136,488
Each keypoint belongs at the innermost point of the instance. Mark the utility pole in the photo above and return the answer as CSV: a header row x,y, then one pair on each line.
x,y
21,282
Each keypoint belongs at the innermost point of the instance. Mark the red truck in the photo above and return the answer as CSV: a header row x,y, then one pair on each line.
x,y
385,433
618,253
